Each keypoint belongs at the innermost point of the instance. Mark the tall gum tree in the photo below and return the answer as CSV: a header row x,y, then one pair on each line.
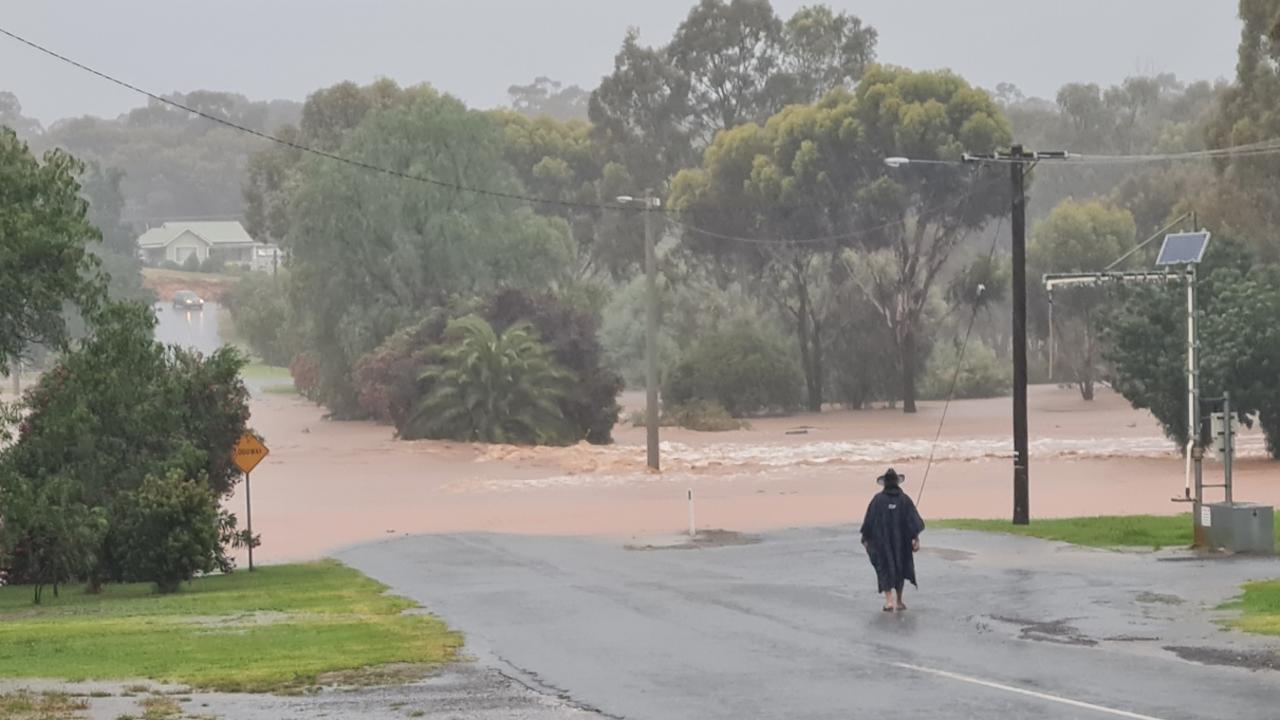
x,y
812,187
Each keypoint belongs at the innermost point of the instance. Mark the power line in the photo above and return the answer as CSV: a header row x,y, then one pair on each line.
x,y
503,195
955,378
426,179
1261,147
458,186
839,236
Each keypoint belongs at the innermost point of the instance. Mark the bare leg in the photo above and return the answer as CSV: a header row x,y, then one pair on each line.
x,y
901,606
888,599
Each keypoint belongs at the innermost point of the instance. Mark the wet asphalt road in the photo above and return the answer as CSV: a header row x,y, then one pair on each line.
x,y
791,626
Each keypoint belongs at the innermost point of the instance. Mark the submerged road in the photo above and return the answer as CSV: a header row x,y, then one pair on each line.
x,y
790,626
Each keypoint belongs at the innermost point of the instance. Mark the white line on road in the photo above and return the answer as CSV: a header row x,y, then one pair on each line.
x,y
1029,693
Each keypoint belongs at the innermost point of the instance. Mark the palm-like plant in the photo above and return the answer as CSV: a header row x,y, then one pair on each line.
x,y
490,387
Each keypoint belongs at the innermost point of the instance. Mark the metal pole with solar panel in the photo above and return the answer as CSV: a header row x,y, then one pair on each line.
x,y
1182,250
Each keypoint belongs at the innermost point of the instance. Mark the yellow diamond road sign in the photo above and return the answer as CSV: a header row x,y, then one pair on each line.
x,y
249,452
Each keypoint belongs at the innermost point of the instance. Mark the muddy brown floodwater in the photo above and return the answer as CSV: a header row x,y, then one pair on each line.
x,y
329,484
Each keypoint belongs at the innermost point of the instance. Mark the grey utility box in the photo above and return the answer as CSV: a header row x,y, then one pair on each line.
x,y
1241,527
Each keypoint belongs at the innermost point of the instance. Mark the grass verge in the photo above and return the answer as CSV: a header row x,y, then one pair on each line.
x,y
277,628
266,373
1259,608
1153,531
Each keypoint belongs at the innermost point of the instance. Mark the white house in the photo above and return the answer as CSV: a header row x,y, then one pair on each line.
x,y
179,240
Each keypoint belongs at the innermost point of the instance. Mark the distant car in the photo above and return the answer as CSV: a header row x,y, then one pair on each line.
x,y
187,300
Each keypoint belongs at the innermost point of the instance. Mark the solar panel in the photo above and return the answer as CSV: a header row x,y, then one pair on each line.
x,y
1183,248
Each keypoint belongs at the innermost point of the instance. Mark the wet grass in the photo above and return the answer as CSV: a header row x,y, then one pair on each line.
x,y
277,628
266,373
1259,608
273,380
22,705
1147,531
1150,531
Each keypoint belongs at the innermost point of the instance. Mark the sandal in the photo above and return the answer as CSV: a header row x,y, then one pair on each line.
x,y
901,607
887,608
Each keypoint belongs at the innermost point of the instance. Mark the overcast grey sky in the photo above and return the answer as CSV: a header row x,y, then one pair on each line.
x,y
475,49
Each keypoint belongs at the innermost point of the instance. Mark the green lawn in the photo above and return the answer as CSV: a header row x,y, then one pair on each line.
x,y
266,373
1259,608
278,627
1154,531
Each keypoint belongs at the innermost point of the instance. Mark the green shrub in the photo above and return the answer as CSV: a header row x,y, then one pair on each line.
x,y
167,531
47,537
486,386
115,410
213,264
703,416
192,263
259,308
982,374
386,379
742,369
590,404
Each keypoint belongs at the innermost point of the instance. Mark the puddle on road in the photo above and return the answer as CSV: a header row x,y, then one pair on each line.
x,y
1158,598
950,554
705,539
1054,631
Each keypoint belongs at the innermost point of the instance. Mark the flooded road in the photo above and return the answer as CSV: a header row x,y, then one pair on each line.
x,y
194,329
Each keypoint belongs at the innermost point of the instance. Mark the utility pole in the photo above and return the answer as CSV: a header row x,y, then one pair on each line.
x,y
650,205
1018,160
650,332
1021,474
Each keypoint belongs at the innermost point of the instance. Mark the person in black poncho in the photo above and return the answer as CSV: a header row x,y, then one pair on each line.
x,y
891,533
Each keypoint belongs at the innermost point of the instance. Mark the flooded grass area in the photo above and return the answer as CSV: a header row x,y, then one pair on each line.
x,y
25,705
279,627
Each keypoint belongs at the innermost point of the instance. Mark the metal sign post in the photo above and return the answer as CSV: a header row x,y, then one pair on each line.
x,y
248,518
248,452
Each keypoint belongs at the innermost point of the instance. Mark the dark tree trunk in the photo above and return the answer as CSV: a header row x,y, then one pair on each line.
x,y
907,360
815,388
810,352
1085,376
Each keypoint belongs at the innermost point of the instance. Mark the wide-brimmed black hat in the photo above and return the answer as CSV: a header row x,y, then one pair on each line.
x,y
890,473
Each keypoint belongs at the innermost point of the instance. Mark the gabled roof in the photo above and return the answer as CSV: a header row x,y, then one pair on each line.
x,y
213,233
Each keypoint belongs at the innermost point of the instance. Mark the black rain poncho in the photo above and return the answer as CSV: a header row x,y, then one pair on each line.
x,y
890,525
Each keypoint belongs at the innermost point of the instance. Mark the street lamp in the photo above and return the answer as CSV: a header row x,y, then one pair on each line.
x,y
649,203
